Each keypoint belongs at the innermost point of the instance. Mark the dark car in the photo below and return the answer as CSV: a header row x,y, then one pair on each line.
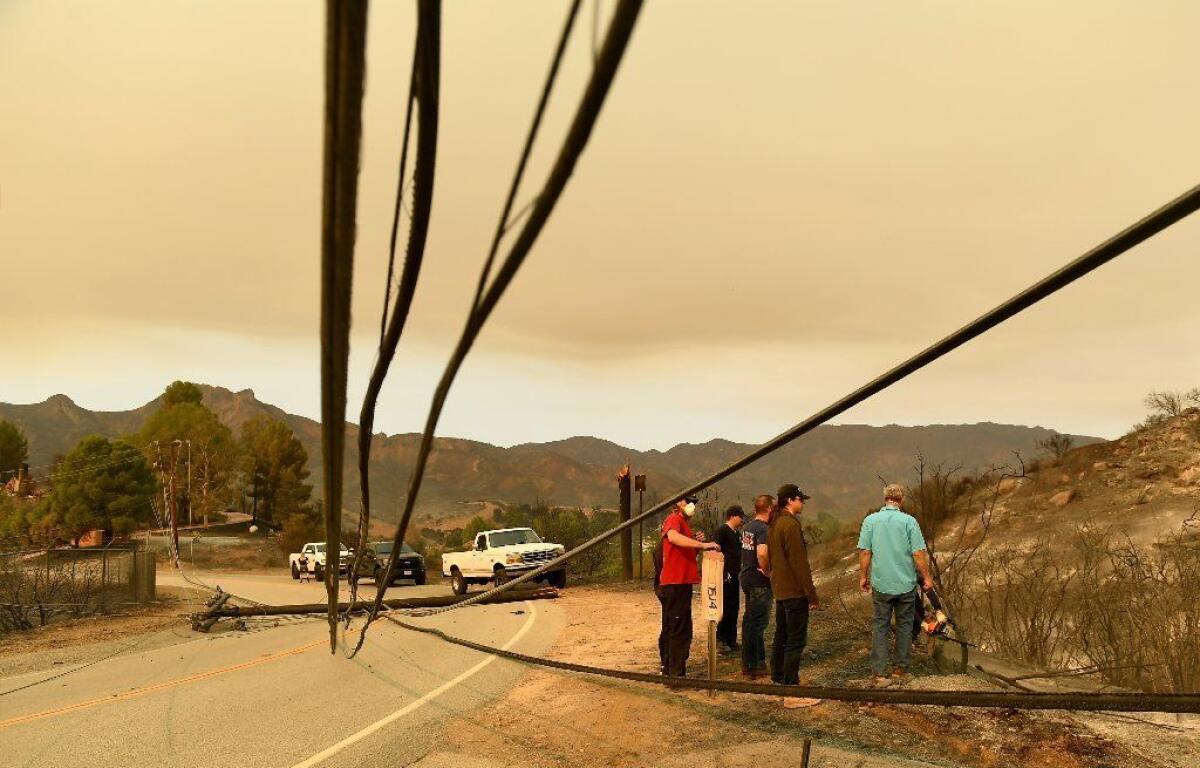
x,y
372,564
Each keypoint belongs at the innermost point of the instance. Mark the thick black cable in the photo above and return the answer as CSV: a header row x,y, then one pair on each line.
x,y
503,224
1177,209
345,63
1073,701
616,39
426,80
400,182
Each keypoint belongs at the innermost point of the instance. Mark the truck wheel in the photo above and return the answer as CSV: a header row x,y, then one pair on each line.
x,y
377,574
557,579
420,580
499,575
458,584
295,572
319,572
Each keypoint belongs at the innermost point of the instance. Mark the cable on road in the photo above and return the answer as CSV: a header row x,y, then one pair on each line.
x,y
1089,702
1136,233
616,39
388,348
424,89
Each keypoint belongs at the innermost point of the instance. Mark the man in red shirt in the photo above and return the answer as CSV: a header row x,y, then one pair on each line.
x,y
679,573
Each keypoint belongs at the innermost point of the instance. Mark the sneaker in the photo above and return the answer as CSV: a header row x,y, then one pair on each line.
x,y
799,702
900,675
880,681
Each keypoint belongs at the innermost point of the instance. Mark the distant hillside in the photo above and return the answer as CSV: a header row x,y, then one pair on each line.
x,y
838,465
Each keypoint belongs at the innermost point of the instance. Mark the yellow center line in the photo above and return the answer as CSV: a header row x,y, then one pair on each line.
x,y
158,686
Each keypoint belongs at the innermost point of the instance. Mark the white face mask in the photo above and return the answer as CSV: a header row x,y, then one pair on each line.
x,y
689,509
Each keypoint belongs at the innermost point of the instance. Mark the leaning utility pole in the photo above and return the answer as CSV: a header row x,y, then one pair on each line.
x,y
189,482
174,504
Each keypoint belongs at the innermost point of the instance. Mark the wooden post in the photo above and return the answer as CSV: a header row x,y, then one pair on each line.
x,y
712,652
962,658
712,593
805,752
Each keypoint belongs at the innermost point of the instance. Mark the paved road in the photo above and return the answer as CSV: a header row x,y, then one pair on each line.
x,y
254,698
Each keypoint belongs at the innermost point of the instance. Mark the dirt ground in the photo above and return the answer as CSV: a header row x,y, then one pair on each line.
x,y
80,641
552,718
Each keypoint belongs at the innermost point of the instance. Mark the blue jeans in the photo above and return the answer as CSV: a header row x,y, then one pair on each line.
x,y
754,625
904,607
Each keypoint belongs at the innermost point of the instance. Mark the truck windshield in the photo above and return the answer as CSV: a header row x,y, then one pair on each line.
x,y
384,548
519,536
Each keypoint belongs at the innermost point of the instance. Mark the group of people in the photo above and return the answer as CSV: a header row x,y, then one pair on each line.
x,y
766,561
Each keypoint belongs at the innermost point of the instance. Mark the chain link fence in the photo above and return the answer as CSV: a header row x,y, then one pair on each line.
x,y
39,585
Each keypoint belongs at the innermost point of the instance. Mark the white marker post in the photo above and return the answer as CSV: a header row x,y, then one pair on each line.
x,y
712,592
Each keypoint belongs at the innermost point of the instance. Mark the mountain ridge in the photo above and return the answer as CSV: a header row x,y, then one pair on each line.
x,y
839,465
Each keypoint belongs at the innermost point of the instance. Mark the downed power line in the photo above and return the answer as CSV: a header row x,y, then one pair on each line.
x,y
1091,702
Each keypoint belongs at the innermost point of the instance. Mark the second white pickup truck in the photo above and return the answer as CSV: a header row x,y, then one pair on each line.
x,y
496,556
313,554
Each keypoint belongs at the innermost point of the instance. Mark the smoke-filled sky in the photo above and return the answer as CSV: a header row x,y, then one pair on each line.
x,y
780,201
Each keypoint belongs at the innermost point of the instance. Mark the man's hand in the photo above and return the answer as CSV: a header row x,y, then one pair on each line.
x,y
814,603
864,585
699,536
710,545
927,583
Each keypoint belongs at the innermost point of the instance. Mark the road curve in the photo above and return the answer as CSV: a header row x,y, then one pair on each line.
x,y
255,698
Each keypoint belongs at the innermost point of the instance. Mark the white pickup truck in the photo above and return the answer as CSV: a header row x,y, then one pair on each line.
x,y
314,554
496,556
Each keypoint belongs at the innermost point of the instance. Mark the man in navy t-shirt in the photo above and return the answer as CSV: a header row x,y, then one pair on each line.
x,y
756,584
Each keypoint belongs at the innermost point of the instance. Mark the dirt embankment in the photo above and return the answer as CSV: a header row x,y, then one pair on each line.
x,y
1144,486
553,718
80,641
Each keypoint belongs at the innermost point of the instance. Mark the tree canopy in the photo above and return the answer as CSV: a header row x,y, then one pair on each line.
x,y
14,448
179,392
100,484
273,461
183,421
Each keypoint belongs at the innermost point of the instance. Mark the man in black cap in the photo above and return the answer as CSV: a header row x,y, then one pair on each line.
x,y
793,589
730,541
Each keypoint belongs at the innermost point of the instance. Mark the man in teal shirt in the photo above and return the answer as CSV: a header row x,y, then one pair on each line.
x,y
891,552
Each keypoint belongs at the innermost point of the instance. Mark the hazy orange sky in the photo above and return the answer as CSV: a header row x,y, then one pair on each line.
x,y
780,201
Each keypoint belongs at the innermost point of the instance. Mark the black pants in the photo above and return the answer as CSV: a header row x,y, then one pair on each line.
x,y
675,639
727,626
791,635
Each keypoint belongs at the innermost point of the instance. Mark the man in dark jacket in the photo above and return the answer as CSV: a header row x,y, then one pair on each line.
x,y
730,541
793,589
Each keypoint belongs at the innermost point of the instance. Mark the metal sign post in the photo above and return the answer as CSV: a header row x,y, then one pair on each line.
x,y
712,574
